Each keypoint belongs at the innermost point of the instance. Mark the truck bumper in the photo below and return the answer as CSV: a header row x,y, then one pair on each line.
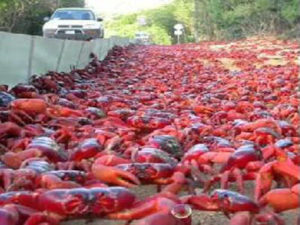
x,y
87,34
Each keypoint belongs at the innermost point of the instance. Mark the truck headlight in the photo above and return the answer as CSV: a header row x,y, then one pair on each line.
x,y
49,32
91,32
91,26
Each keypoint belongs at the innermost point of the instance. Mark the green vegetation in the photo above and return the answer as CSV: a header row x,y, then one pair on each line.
x,y
214,20
71,3
241,18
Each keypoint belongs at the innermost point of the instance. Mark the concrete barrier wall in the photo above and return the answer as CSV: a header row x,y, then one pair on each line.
x,y
23,55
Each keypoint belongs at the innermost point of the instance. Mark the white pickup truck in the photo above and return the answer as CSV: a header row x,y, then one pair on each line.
x,y
73,23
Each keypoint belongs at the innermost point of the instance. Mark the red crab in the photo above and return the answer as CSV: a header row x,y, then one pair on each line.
x,y
39,147
77,202
87,149
12,214
152,155
282,170
161,208
25,109
246,157
222,200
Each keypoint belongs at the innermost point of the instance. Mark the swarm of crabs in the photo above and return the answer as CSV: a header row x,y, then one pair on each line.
x,y
199,121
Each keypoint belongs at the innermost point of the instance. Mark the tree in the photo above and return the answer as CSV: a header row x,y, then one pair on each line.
x,y
197,13
12,11
24,16
33,19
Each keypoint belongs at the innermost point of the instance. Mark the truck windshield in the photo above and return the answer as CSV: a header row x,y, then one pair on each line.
x,y
73,15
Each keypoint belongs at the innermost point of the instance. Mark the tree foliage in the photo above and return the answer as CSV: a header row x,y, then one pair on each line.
x,y
71,3
11,12
26,16
241,18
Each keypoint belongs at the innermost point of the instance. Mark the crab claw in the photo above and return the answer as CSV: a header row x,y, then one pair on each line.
x,y
111,160
269,218
265,176
282,199
114,176
178,181
240,218
31,106
179,215
158,219
201,202
231,202
246,218
14,160
10,129
160,203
